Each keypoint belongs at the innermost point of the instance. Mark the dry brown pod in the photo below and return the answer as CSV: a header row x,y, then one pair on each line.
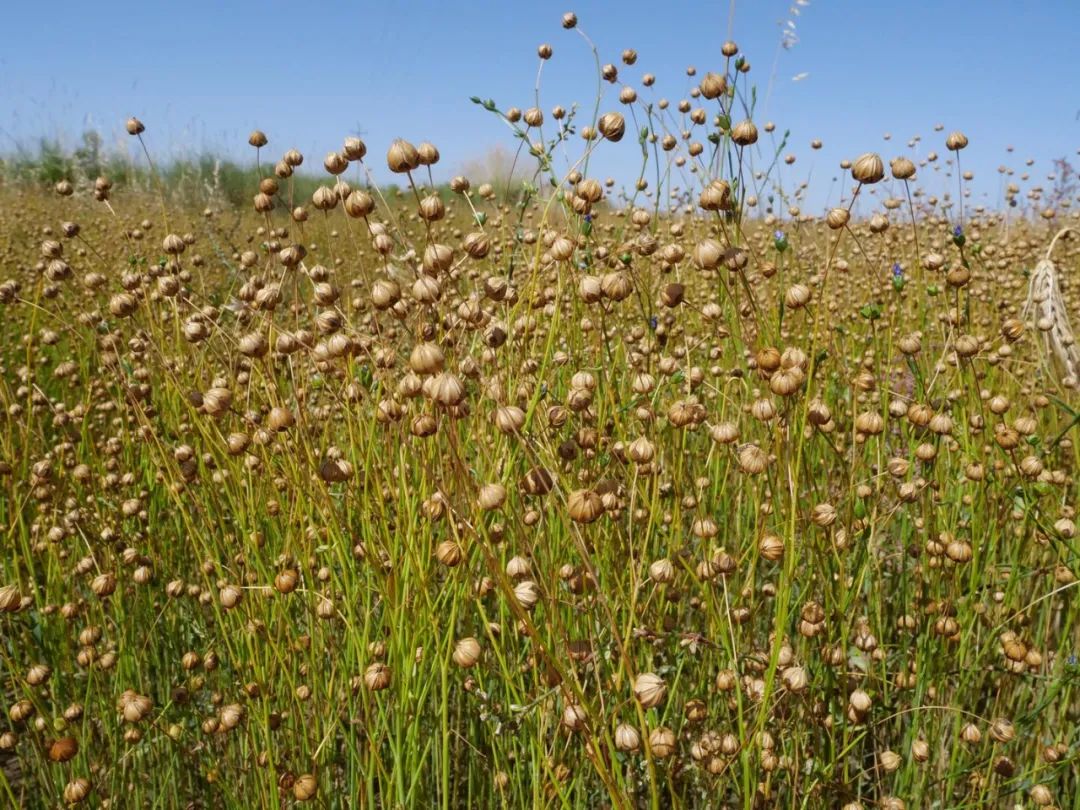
x,y
467,652
77,790
627,738
402,157
10,599
649,690
955,141
63,749
305,787
377,677
744,133
868,168
612,126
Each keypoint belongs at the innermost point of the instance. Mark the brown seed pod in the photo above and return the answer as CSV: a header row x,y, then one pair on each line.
x,y
10,599
527,594
402,157
837,218
584,506
491,497
377,677
902,168
286,581
305,787
744,133
868,169
752,459
335,163
354,148
649,690
612,126
427,153
771,547
77,790
662,742
627,738
955,141
280,419
467,652
359,204
713,85
63,749
537,481
707,254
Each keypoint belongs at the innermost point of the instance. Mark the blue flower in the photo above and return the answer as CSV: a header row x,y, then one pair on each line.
x,y
958,230
588,217
897,270
653,323
779,236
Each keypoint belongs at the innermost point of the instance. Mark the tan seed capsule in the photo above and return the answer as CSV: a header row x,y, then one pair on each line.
x,y
305,787
955,141
868,168
649,689
77,790
377,677
627,738
402,157
63,749
467,652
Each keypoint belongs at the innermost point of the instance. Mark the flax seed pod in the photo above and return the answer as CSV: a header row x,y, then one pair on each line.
x,y
305,788
377,677
612,126
77,790
627,738
467,652
649,690
902,168
868,168
744,133
662,742
955,141
491,497
713,86
837,218
584,506
402,157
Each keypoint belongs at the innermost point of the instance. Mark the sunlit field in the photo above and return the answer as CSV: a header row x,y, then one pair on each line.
x,y
544,489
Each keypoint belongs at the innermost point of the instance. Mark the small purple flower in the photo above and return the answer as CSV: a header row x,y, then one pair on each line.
x,y
897,270
653,323
958,231
588,217
779,236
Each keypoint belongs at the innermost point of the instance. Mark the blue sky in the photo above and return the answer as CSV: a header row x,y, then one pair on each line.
x,y
202,74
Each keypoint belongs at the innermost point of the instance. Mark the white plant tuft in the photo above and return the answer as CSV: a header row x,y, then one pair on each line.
x,y
1045,311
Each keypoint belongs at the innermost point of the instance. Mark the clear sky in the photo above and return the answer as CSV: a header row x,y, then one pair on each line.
x,y
202,74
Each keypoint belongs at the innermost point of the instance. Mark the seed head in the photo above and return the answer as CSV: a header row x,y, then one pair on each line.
x,y
868,168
